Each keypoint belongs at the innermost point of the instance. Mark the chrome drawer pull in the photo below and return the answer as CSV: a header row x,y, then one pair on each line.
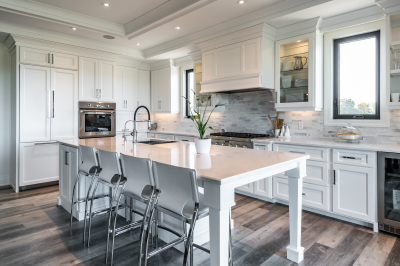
x,y
301,152
43,143
353,158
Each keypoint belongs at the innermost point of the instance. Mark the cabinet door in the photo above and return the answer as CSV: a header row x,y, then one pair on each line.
x,y
34,103
107,73
263,187
88,79
64,121
66,61
354,191
143,88
164,136
119,88
184,138
38,163
130,88
65,183
249,188
34,56
160,90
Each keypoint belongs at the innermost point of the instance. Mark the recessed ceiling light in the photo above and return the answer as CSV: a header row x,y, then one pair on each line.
x,y
109,37
73,28
241,2
299,41
137,44
106,4
177,28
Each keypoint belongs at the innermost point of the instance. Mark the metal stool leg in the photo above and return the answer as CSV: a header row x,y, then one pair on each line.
x,y
86,201
90,213
230,242
72,201
113,231
110,217
190,237
143,229
146,244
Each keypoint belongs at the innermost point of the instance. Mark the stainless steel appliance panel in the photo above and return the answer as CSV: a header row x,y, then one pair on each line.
x,y
96,120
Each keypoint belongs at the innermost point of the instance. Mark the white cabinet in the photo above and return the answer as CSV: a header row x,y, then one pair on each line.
x,y
249,188
354,190
184,138
47,58
64,93
38,163
299,88
143,88
97,80
126,89
68,167
242,65
165,90
164,136
263,187
35,103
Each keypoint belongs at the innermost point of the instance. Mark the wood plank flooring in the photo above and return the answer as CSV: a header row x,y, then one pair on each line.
x,y
34,231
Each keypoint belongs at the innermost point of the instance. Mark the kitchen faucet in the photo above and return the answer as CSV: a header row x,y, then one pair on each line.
x,y
134,132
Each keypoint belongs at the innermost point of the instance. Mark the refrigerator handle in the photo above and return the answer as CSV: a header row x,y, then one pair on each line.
x,y
334,177
53,105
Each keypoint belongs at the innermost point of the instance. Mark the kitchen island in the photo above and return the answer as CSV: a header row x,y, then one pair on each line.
x,y
218,173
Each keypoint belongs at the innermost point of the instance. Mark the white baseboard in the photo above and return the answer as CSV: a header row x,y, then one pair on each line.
x,y
4,180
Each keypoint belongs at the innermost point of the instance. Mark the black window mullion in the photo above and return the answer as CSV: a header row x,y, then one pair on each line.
x,y
187,92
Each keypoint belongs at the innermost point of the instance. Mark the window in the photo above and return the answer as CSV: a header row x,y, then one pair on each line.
x,y
189,75
356,80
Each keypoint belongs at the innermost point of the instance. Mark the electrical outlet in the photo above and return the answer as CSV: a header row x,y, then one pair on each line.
x,y
300,124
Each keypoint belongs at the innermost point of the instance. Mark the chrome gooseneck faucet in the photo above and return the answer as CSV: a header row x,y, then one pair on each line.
x,y
134,132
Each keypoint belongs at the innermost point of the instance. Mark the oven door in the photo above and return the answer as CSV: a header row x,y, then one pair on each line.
x,y
96,124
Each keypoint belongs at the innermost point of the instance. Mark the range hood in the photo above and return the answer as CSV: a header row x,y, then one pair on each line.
x,y
237,63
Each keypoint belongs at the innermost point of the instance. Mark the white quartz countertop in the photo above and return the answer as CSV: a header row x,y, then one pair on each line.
x,y
389,147
223,164
176,133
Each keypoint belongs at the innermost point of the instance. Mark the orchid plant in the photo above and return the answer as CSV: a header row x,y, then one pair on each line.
x,y
198,117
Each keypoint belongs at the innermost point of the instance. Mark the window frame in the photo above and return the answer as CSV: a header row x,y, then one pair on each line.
x,y
336,76
187,92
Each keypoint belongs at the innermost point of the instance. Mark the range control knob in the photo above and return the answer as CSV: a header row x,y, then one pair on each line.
x,y
107,105
223,144
98,105
89,105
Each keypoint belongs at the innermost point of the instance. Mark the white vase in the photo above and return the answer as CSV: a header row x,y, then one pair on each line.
x,y
203,146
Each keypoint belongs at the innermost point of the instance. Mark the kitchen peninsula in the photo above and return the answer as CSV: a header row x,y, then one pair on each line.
x,y
218,173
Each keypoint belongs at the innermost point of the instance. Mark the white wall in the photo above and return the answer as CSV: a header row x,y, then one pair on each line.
x,y
5,114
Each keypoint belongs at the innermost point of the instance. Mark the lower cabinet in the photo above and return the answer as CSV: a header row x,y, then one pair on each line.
x,y
313,195
249,188
164,136
354,190
184,138
38,163
68,166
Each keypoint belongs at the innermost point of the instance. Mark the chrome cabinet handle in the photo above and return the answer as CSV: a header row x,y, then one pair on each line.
x,y
66,158
334,177
300,152
159,104
48,58
53,105
353,158
45,143
52,59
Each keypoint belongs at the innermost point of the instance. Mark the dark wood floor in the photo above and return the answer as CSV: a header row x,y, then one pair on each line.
x,y
34,231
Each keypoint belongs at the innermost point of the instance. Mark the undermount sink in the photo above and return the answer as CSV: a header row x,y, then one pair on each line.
x,y
155,142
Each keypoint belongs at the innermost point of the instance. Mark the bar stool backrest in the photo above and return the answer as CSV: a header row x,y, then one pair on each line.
x,y
177,185
138,174
109,163
88,158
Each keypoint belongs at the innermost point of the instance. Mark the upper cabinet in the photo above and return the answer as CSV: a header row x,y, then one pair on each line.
x,y
165,90
238,65
97,80
298,73
143,88
47,58
126,89
393,62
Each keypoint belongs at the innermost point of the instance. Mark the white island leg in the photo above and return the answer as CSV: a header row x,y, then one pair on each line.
x,y
295,252
219,199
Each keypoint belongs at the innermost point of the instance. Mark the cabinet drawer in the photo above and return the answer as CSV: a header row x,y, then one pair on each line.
x,y
262,146
318,173
359,158
316,154
34,56
313,195
184,138
164,136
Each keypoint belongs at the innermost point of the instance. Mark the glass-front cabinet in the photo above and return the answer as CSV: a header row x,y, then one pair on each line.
x,y
393,24
298,70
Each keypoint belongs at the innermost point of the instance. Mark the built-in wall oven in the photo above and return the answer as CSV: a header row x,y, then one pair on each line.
x,y
96,119
389,192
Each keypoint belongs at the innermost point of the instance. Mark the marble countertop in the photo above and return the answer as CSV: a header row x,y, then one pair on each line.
x,y
332,143
223,164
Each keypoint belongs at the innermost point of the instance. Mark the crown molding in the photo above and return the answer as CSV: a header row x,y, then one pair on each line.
x,y
162,64
152,19
33,34
357,17
61,16
389,7
262,15
196,56
183,61
300,28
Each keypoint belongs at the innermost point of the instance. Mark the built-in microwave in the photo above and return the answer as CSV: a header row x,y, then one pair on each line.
x,y
96,119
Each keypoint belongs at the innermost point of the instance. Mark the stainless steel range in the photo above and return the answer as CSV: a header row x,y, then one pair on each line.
x,y
232,139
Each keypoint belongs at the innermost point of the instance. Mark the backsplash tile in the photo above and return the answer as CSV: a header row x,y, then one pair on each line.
x,y
248,112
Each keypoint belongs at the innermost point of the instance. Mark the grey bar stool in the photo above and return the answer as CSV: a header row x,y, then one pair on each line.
x,y
88,167
177,195
139,185
111,177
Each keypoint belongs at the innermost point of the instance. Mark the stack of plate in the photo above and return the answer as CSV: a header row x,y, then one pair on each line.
x,y
286,82
301,82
